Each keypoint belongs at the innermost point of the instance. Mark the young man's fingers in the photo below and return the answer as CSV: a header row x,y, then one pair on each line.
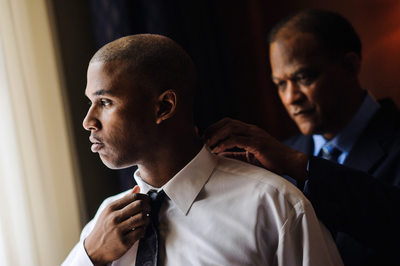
x,y
134,208
135,189
139,220
127,199
134,235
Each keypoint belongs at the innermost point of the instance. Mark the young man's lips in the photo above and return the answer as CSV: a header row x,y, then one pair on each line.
x,y
96,144
96,147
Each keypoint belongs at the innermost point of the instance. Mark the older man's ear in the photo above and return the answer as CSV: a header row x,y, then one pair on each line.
x,y
352,62
165,106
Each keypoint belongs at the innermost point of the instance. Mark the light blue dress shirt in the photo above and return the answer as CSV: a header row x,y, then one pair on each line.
x,y
345,140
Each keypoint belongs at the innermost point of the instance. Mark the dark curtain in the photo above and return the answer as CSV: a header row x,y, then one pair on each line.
x,y
219,36
194,25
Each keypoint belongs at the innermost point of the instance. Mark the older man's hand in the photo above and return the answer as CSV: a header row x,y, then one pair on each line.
x,y
259,147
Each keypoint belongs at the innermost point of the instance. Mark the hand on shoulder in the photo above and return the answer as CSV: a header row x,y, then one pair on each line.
x,y
259,147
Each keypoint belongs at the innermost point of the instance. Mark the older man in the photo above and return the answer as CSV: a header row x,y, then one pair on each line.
x,y
315,60
206,210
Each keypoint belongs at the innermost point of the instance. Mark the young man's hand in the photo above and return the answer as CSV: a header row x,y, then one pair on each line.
x,y
118,227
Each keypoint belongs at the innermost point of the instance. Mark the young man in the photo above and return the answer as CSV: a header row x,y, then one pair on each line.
x,y
216,211
315,60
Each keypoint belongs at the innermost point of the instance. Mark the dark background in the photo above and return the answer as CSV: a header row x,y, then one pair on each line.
x,y
228,43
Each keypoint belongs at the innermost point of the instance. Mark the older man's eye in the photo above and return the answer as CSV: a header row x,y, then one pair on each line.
x,y
281,85
307,78
304,79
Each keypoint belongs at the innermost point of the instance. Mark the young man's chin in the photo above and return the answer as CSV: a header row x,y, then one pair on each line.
x,y
107,162
115,165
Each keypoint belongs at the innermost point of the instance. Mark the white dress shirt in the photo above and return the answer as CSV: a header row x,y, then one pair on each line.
x,y
220,211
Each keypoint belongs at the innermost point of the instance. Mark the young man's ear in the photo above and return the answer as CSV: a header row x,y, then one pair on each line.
x,y
166,105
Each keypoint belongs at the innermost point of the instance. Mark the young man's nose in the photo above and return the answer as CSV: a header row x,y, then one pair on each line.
x,y
90,122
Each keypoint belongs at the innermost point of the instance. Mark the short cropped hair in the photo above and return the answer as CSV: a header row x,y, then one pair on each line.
x,y
335,33
156,60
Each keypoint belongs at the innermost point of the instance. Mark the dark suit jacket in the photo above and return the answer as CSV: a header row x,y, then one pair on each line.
x,y
360,200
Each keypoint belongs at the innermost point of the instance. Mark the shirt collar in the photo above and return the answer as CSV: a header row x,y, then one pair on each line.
x,y
184,187
348,136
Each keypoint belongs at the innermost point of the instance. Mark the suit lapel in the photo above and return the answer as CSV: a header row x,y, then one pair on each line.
x,y
365,155
374,142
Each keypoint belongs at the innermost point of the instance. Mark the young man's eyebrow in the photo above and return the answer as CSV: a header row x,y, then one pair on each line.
x,y
102,92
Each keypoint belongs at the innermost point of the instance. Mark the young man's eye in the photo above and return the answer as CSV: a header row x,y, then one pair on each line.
x,y
105,102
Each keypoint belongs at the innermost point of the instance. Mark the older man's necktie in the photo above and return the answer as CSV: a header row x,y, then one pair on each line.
x,y
330,153
148,250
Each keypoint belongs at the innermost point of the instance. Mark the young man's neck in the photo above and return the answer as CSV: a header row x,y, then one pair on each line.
x,y
168,161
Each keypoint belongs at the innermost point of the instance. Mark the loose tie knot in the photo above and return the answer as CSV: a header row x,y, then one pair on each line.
x,y
157,199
